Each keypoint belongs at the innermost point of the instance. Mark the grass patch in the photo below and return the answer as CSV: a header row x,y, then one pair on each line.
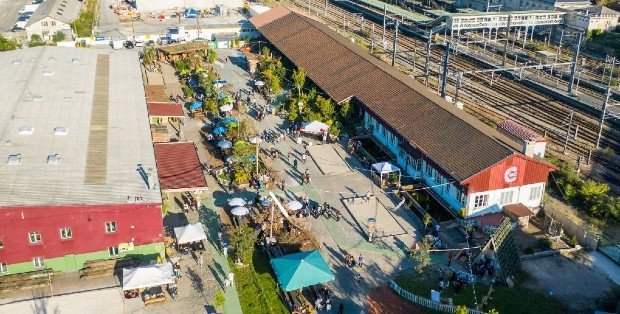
x,y
503,299
257,287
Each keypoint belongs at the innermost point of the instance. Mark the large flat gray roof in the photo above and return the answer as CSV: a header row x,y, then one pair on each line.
x,y
98,96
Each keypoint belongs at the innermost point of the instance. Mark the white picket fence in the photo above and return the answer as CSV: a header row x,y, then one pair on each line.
x,y
426,302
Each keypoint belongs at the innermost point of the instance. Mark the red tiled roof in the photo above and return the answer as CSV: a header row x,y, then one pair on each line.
x,y
161,109
519,210
452,139
490,220
178,166
520,131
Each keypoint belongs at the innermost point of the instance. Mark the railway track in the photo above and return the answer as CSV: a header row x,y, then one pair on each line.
x,y
491,104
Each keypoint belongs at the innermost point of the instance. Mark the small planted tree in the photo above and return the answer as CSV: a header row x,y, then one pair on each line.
x,y
422,256
299,79
35,40
460,309
242,241
427,220
58,36
219,300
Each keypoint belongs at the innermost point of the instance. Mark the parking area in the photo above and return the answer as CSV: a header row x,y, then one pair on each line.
x,y
9,12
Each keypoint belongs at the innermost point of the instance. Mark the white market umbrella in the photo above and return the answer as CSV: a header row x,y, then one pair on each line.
x,y
255,140
294,205
147,276
224,144
259,83
237,201
384,167
190,233
315,127
226,108
240,211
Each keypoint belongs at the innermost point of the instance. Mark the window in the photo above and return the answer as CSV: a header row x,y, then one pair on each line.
x,y
110,227
1,243
417,164
535,192
383,130
462,197
34,237
3,268
113,250
38,262
44,23
66,233
481,200
506,197
429,170
52,23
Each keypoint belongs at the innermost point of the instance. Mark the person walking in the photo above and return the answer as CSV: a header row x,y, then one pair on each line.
x,y
358,279
288,155
200,259
295,163
361,261
231,279
304,157
341,308
368,196
283,183
225,249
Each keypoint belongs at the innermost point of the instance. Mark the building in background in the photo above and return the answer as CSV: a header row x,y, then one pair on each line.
x,y
532,144
52,16
593,17
79,178
158,5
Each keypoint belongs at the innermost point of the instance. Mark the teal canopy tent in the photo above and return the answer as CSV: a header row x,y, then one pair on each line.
x,y
303,269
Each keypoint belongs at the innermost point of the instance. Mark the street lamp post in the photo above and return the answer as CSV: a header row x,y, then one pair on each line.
x,y
256,140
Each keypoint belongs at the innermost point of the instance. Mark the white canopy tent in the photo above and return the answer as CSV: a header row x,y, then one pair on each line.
x,y
315,127
383,171
147,276
190,233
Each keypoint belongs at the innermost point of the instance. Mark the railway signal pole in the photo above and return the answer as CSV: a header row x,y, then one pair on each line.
x,y
606,105
394,43
568,127
428,57
384,14
506,41
571,83
444,78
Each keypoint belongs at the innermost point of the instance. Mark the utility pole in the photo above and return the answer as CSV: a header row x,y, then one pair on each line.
x,y
428,57
459,78
325,9
384,14
444,78
372,39
557,57
603,110
506,41
574,69
570,123
394,43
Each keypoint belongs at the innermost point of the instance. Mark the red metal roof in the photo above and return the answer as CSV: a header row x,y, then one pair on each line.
x,y
490,220
519,210
165,109
520,131
178,166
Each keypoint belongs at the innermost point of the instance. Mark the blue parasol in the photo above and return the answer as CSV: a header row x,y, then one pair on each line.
x,y
228,120
219,130
195,105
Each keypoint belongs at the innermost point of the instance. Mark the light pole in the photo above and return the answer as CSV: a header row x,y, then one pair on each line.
x,y
256,140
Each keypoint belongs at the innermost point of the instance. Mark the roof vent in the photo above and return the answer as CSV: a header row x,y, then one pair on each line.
x,y
26,130
61,130
48,72
37,97
75,60
14,159
53,159
68,98
16,62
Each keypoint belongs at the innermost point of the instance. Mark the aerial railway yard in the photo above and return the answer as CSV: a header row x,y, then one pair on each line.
x,y
491,103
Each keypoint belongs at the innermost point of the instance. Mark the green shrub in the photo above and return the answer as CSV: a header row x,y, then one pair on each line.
x,y
219,300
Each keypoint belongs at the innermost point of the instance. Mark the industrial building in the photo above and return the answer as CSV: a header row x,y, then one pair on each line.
x,y
159,5
79,179
472,168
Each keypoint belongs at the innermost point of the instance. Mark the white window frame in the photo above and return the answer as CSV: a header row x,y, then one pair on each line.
x,y
37,237
113,251
481,200
38,262
535,193
506,197
66,233
4,268
110,227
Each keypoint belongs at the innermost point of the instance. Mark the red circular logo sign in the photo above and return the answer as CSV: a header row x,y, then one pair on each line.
x,y
511,174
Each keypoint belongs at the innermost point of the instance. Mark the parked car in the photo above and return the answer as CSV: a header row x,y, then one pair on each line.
x,y
139,43
128,44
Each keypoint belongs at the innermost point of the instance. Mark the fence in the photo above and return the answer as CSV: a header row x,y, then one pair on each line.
x,y
609,248
426,302
586,238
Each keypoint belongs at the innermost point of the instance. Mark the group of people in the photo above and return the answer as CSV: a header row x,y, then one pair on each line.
x,y
351,261
222,238
323,300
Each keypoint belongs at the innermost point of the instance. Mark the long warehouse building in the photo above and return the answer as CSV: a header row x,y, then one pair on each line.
x,y
78,175
471,167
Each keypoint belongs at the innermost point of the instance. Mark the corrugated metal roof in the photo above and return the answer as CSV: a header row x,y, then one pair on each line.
x,y
61,123
456,141
519,210
520,131
179,166
165,110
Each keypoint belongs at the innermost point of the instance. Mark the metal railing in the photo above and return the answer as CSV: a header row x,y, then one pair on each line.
x,y
426,302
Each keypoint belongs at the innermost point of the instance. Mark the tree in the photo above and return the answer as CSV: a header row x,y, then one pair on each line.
x,y
148,56
325,107
460,309
210,105
427,220
219,300
7,44
211,56
58,36
35,40
493,311
422,255
242,241
299,79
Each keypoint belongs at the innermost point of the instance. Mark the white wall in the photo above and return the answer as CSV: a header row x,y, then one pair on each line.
x,y
46,28
581,21
519,195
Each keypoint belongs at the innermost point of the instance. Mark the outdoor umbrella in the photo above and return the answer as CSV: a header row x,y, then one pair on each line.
x,y
314,127
240,211
147,276
219,130
303,269
226,108
255,140
294,205
259,83
265,201
237,201
228,120
195,105
190,233
221,95
224,144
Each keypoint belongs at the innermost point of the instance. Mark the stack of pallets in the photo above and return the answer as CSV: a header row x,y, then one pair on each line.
x,y
25,281
104,268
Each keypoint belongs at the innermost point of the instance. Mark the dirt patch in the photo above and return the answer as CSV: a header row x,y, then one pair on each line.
x,y
572,279
383,300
